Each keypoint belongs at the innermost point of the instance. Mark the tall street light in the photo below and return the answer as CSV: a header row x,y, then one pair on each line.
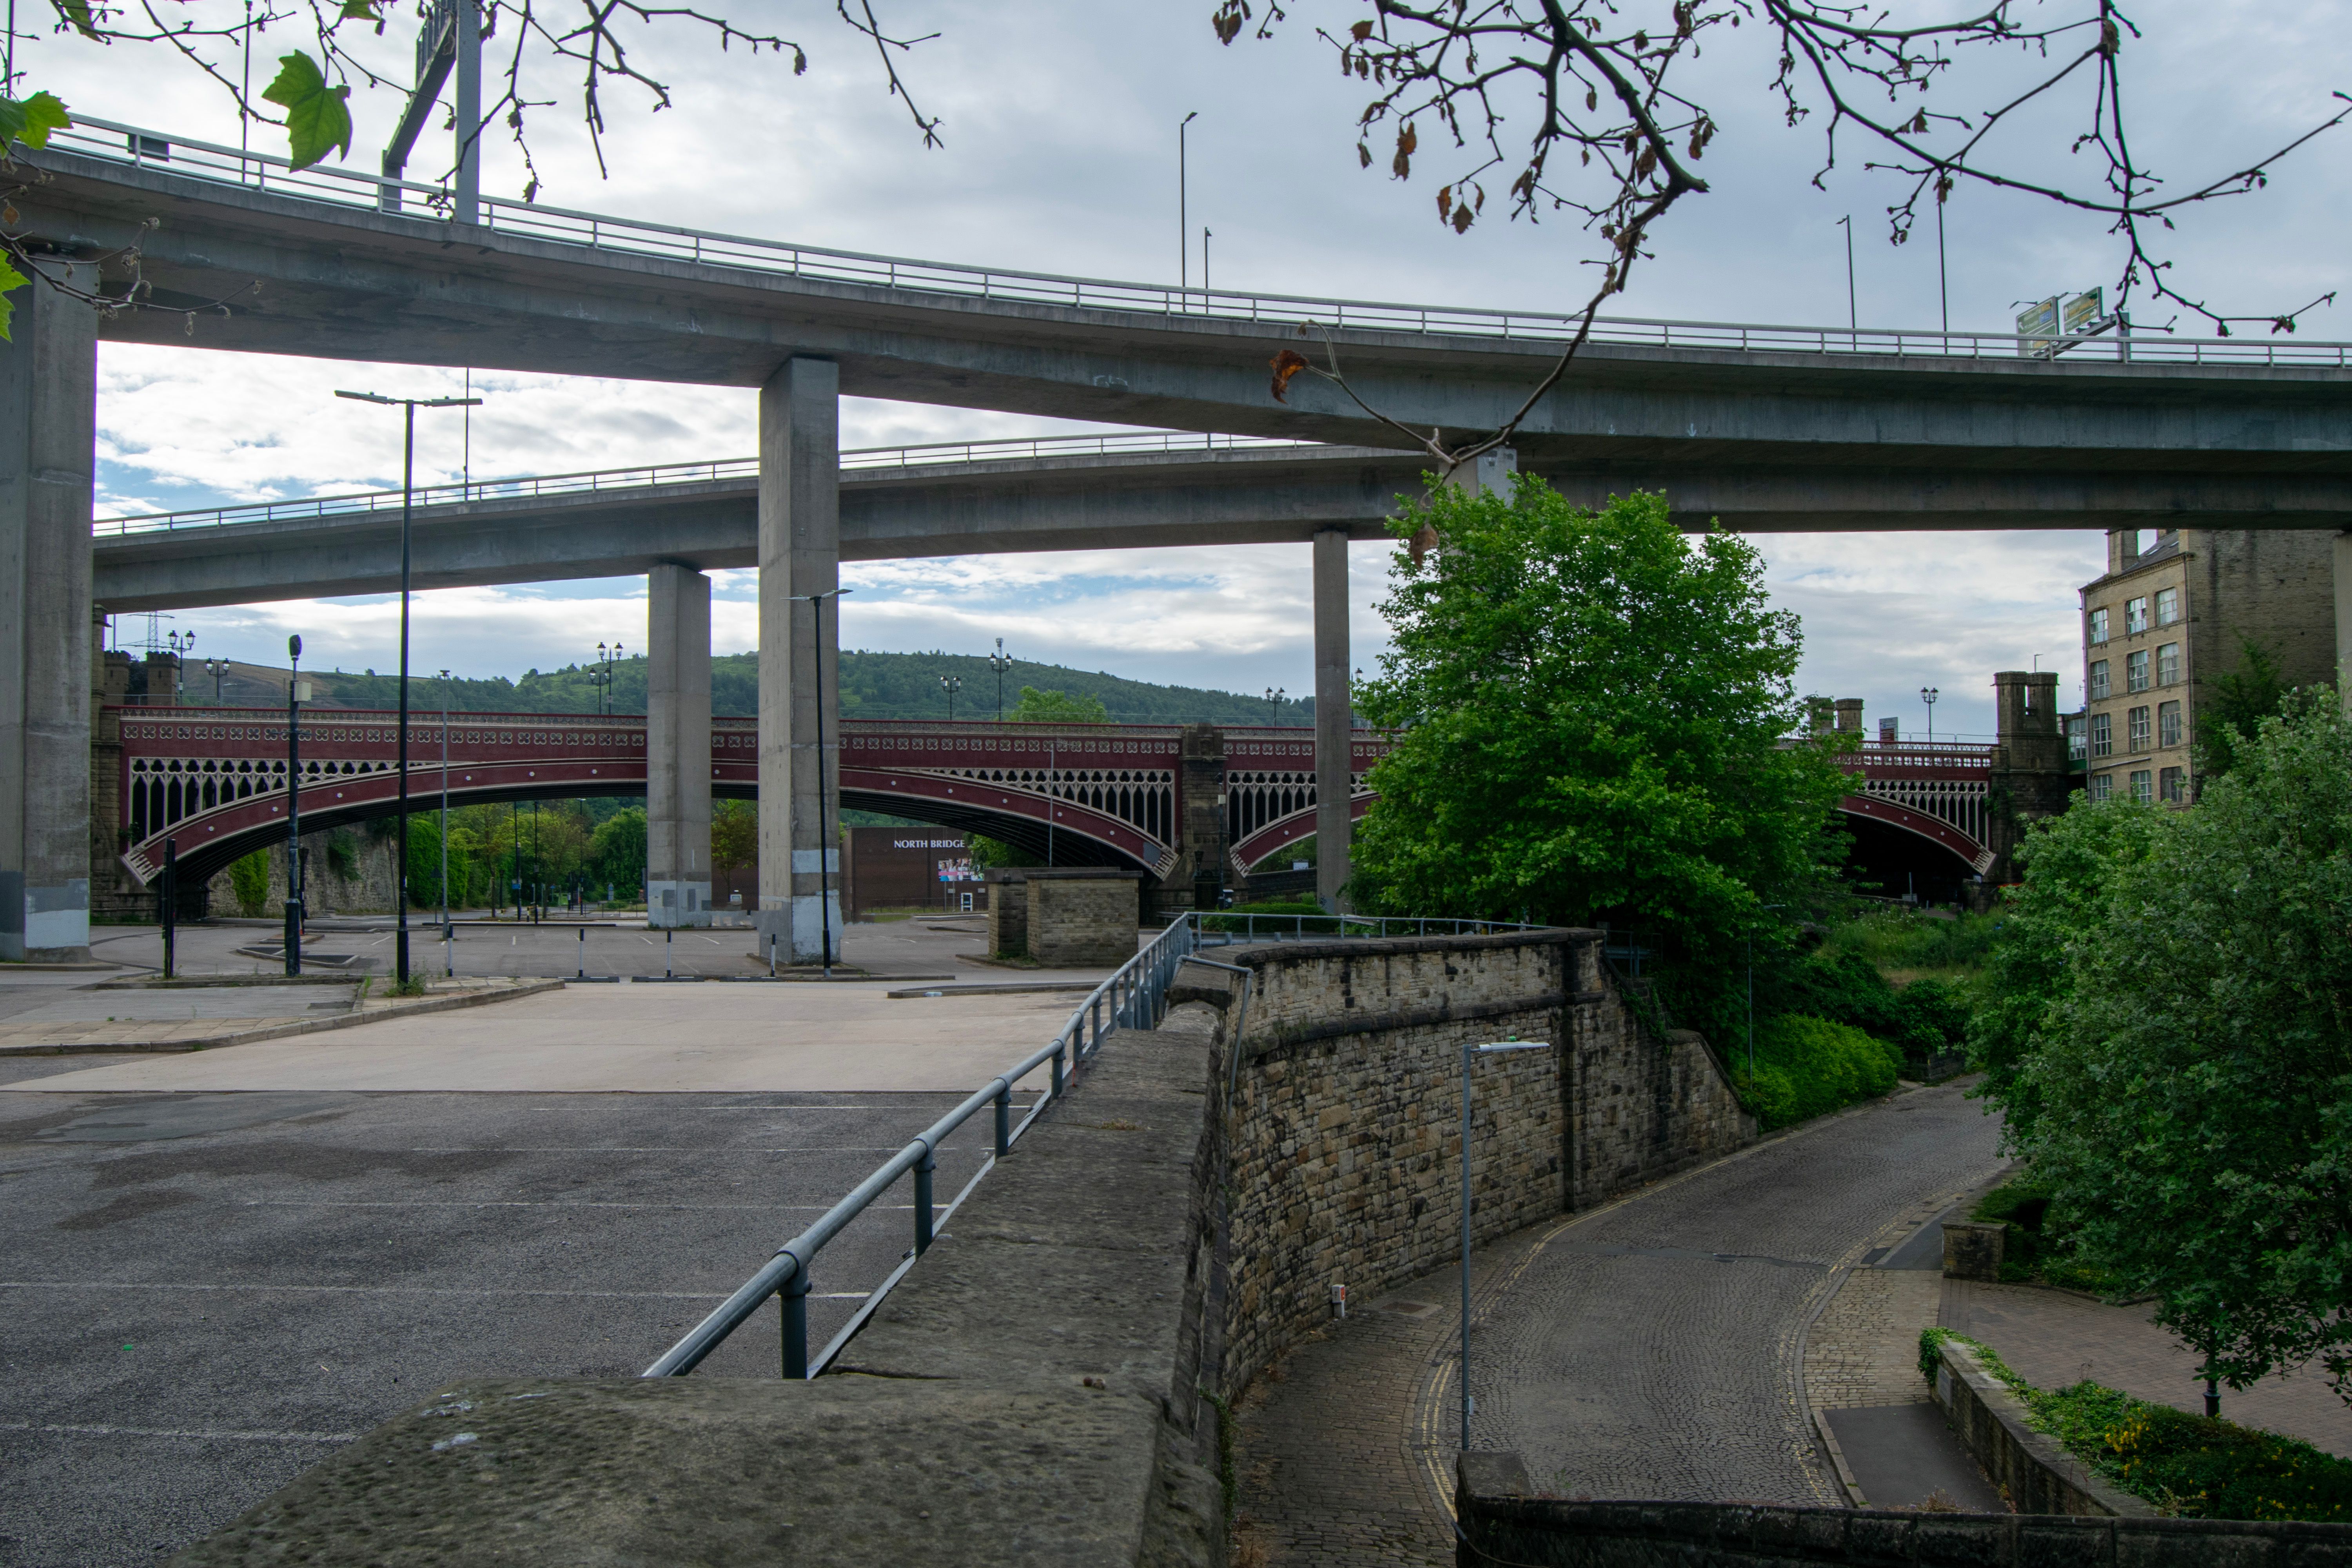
x,y
951,684
825,846
297,690
1928,694
448,930
216,668
408,407
1273,696
1183,223
1853,308
1469,1051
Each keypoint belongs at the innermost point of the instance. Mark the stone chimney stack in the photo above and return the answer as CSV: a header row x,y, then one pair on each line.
x,y
162,680
1849,714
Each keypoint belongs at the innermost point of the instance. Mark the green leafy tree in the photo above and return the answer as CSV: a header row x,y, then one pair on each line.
x,y
2186,1092
248,883
1593,709
734,837
1038,707
618,852
2235,707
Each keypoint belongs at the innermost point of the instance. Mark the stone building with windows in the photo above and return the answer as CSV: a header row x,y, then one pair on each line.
x,y
2172,617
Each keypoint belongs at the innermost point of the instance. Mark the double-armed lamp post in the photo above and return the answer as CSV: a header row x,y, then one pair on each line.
x,y
408,407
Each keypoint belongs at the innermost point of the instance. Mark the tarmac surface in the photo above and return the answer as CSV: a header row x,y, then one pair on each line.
x,y
211,1280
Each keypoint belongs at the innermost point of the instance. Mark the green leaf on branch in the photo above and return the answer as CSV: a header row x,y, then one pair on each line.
x,y
10,281
78,13
361,10
31,120
317,117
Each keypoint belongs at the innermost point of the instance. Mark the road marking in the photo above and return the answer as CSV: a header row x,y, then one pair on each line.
x,y
209,1437
670,1149
365,1289
714,941
530,1203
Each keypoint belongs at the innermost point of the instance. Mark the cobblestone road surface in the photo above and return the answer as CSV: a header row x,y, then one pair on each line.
x,y
1651,1349
1648,1348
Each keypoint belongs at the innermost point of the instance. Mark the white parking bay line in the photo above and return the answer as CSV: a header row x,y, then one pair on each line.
x,y
197,1433
361,1289
528,1203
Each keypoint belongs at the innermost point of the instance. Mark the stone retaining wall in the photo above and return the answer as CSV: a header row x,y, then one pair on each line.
x,y
1345,1136
1503,1521
2036,1474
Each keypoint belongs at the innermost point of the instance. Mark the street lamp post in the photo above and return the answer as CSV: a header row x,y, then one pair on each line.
x,y
296,690
1183,223
1492,1047
951,684
999,663
825,845
216,668
1928,694
408,407
1273,696
448,927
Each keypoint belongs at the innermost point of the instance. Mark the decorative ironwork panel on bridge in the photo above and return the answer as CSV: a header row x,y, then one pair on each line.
x,y
1950,781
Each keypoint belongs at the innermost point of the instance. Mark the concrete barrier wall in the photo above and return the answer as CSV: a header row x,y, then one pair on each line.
x,y
1347,1113
1502,1521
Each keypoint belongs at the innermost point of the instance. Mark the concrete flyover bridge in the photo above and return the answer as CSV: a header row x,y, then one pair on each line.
x,y
1860,428
213,780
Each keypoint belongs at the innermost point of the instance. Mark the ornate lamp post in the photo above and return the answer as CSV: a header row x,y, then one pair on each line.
x,y
216,668
1273,696
297,690
1928,694
999,663
951,684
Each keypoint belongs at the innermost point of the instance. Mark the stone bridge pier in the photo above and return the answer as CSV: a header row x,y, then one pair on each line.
x,y
677,747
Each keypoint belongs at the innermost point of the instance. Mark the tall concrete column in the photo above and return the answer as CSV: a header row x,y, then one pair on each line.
x,y
677,747
48,410
2344,619
1334,720
800,555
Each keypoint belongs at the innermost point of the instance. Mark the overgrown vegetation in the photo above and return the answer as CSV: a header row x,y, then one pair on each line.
x,y
1808,1066
2194,1467
249,881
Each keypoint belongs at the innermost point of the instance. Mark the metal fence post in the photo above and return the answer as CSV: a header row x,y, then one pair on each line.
x,y
1058,1048
1003,1122
795,1301
923,1169
668,939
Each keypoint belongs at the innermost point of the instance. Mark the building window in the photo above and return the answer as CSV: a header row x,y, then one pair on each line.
x,y
2098,626
2102,785
2168,723
2167,664
2103,734
2136,728
2172,785
2136,670
2135,616
2098,679
2143,786
2077,741
2168,605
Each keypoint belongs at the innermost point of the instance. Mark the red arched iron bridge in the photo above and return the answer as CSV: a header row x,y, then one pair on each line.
x,y
214,779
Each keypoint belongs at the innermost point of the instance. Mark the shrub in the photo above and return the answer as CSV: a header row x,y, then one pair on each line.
x,y
248,883
2195,1466
1907,938
1806,1067
1318,922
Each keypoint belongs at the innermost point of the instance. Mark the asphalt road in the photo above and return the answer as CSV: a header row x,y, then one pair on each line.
x,y
205,1293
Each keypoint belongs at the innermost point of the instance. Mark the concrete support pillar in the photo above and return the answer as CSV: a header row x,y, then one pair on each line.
x,y
799,556
1334,720
48,409
677,747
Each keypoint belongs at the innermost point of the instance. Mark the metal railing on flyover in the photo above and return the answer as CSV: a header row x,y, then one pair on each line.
x,y
1134,996
857,459
134,146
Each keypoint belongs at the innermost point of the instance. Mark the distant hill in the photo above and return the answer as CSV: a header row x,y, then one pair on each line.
x,y
872,686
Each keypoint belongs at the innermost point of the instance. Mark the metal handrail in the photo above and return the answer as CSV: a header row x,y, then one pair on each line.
x,y
1134,996
857,459
1258,928
354,188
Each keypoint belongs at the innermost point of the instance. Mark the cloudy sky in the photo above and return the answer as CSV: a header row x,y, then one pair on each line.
x,y
1059,119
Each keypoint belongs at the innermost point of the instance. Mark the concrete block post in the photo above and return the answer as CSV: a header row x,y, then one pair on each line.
x,y
677,747
800,555
48,410
1334,720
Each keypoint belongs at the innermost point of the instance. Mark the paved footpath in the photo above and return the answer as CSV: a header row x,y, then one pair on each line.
x,y
1651,1347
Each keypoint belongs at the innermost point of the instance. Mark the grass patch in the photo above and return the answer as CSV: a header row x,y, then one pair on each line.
x,y
1895,939
2192,1466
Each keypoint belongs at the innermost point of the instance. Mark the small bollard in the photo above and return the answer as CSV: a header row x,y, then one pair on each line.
x,y
669,945
583,953
771,955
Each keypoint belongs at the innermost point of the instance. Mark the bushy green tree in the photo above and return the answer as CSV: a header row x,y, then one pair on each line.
x,y
1593,708
249,881
617,853
1808,1066
2177,1060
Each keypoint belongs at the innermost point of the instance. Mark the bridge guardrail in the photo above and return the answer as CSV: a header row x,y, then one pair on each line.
x,y
857,459
1134,996
137,147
